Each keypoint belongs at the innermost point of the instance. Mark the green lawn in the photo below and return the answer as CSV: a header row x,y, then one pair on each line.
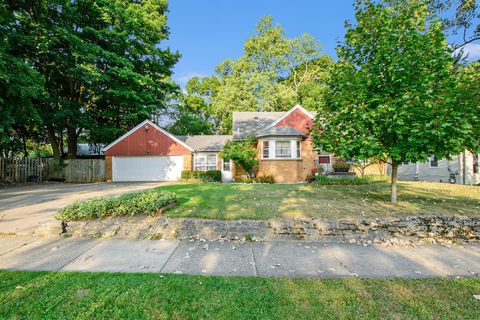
x,y
44,295
248,201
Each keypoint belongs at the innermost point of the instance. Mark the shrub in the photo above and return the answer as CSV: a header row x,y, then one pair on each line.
x,y
265,179
345,181
129,204
341,166
244,180
205,176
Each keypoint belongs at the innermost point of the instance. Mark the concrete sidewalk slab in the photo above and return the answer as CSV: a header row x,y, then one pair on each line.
x,y
122,255
376,261
297,259
45,253
212,258
10,243
445,261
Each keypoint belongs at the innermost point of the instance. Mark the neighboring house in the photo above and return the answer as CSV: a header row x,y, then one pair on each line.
x,y
465,166
149,153
88,150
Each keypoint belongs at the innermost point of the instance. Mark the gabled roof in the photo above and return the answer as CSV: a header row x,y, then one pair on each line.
x,y
251,124
206,142
279,131
297,107
248,124
155,127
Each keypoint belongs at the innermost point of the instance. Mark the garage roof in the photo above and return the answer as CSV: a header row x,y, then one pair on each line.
x,y
206,142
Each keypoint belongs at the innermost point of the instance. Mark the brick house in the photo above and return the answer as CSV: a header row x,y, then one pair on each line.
x,y
284,148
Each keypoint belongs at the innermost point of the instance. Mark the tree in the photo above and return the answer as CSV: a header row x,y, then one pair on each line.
x,y
20,87
393,94
243,153
362,164
464,23
100,61
468,90
273,74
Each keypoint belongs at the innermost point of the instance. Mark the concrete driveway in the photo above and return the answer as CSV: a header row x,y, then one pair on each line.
x,y
24,209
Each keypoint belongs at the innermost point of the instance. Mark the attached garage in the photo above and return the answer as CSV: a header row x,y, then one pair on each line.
x,y
147,168
147,153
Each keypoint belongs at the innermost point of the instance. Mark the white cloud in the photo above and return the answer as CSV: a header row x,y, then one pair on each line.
x,y
472,50
183,78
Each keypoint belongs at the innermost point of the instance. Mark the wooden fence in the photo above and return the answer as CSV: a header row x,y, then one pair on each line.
x,y
38,170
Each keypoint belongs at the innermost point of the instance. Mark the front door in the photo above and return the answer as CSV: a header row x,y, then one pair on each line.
x,y
227,171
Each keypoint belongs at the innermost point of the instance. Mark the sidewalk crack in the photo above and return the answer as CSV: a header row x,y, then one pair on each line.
x,y
169,257
254,260
95,243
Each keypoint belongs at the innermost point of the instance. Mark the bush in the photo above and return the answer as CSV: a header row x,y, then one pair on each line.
x,y
205,176
265,179
345,181
129,204
341,166
244,180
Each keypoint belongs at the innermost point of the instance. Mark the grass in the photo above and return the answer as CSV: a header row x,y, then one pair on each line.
x,y
51,295
263,201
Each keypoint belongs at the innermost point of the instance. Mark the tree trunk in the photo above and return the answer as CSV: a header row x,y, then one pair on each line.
x,y
72,142
53,142
394,182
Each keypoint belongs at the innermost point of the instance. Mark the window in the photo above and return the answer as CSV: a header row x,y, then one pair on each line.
x,y
475,163
227,165
298,150
266,149
283,149
205,161
433,162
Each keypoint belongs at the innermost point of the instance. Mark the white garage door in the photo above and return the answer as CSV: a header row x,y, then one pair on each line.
x,y
148,168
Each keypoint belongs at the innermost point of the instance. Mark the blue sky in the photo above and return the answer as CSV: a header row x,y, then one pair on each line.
x,y
207,32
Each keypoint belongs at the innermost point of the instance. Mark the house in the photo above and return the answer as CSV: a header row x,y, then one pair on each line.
x,y
465,167
284,149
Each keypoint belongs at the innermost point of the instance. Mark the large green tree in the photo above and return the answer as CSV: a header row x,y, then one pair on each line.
x,y
274,73
20,87
393,93
101,64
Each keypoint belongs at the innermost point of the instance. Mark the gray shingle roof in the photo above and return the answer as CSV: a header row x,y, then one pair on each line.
x,y
280,131
205,142
248,124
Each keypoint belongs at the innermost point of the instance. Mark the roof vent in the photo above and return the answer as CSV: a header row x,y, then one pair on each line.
x,y
256,118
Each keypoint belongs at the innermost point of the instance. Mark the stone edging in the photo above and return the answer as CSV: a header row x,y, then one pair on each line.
x,y
404,230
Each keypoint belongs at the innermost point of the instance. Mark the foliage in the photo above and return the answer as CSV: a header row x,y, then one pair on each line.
x,y
244,180
341,166
243,153
188,123
461,19
325,180
273,74
468,90
128,204
205,176
393,94
265,179
93,66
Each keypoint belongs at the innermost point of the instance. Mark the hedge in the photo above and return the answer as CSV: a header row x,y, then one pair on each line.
x,y
128,204
345,181
205,176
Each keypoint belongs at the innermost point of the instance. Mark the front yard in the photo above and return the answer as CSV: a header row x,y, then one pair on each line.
x,y
248,201
63,295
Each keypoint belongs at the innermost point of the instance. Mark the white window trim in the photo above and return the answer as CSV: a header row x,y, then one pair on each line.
x,y
196,155
272,147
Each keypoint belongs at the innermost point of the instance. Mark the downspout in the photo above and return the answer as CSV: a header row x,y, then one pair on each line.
x,y
464,155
